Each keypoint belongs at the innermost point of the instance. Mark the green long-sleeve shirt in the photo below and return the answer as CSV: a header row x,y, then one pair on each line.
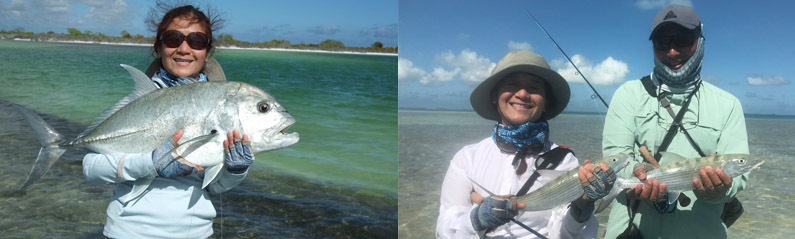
x,y
716,123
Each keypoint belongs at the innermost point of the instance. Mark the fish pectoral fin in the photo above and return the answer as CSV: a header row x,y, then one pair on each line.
x,y
186,148
139,188
672,196
211,174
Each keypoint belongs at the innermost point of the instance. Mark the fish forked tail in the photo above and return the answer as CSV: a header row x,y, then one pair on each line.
x,y
50,150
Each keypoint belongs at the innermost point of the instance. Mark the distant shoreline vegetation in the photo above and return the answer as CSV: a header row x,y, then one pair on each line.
x,y
221,41
752,116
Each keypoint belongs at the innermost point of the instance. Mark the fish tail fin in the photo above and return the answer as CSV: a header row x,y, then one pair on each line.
x,y
50,150
605,201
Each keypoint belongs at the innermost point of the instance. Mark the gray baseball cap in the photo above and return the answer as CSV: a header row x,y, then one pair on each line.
x,y
682,15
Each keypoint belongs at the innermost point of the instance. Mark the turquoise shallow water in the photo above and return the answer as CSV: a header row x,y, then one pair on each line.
x,y
345,107
429,139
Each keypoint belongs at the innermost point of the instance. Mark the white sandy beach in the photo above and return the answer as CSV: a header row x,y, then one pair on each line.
x,y
226,47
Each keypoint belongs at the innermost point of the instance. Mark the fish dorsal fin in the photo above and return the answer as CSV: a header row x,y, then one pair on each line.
x,y
550,174
143,85
670,157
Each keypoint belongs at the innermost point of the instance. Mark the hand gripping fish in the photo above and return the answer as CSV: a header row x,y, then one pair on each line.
x,y
565,187
678,176
140,122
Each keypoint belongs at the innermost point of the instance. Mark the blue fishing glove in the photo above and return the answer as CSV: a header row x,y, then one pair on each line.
x,y
492,212
167,165
238,156
599,185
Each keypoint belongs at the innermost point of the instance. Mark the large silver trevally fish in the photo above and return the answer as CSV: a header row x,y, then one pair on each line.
x,y
678,176
565,186
147,117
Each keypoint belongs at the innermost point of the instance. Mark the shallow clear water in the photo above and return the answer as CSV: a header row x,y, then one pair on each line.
x,y
429,139
340,180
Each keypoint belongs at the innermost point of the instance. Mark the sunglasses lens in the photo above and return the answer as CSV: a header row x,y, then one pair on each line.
x,y
684,40
197,40
172,39
678,41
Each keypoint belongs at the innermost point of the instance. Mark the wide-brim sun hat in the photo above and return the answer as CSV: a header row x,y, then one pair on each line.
x,y
521,61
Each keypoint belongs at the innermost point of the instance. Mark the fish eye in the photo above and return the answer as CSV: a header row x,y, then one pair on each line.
x,y
742,161
263,107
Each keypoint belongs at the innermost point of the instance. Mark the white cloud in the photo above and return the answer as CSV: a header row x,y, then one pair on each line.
x,y
407,71
775,80
519,46
608,72
652,4
473,68
467,66
108,11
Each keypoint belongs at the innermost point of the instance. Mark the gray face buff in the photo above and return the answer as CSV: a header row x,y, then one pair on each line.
x,y
687,76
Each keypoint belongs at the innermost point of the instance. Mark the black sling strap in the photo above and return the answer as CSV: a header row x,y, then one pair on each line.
x,y
649,86
549,160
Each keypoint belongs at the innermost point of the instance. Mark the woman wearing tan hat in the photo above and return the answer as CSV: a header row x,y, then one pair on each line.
x,y
521,94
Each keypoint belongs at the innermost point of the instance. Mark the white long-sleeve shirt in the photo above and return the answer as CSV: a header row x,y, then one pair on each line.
x,y
484,163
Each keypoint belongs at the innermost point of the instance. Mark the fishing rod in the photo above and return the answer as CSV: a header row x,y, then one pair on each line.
x,y
567,57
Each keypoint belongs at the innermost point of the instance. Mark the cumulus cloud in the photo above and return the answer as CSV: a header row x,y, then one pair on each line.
x,y
108,11
473,68
407,71
608,72
652,4
519,46
759,81
324,30
467,66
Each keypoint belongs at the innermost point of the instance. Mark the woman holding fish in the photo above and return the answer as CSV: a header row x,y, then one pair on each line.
x,y
521,94
174,205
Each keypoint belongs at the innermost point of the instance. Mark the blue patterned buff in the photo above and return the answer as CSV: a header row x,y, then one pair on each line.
x,y
512,138
170,80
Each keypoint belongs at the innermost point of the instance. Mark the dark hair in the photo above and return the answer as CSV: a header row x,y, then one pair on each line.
x,y
210,21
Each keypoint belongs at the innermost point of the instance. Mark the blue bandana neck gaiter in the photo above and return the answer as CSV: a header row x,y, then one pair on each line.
x,y
172,80
685,78
532,135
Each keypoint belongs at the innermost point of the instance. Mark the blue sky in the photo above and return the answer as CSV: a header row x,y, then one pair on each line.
x,y
355,23
448,47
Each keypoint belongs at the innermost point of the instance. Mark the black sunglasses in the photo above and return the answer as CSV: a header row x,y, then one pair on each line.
x,y
662,43
196,40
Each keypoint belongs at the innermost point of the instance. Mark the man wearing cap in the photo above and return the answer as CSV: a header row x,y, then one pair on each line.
x,y
521,94
641,120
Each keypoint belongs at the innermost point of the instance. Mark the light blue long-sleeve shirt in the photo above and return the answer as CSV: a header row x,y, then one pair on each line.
x,y
175,207
714,119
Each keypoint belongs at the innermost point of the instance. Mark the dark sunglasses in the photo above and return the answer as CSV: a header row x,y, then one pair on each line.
x,y
662,43
196,40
